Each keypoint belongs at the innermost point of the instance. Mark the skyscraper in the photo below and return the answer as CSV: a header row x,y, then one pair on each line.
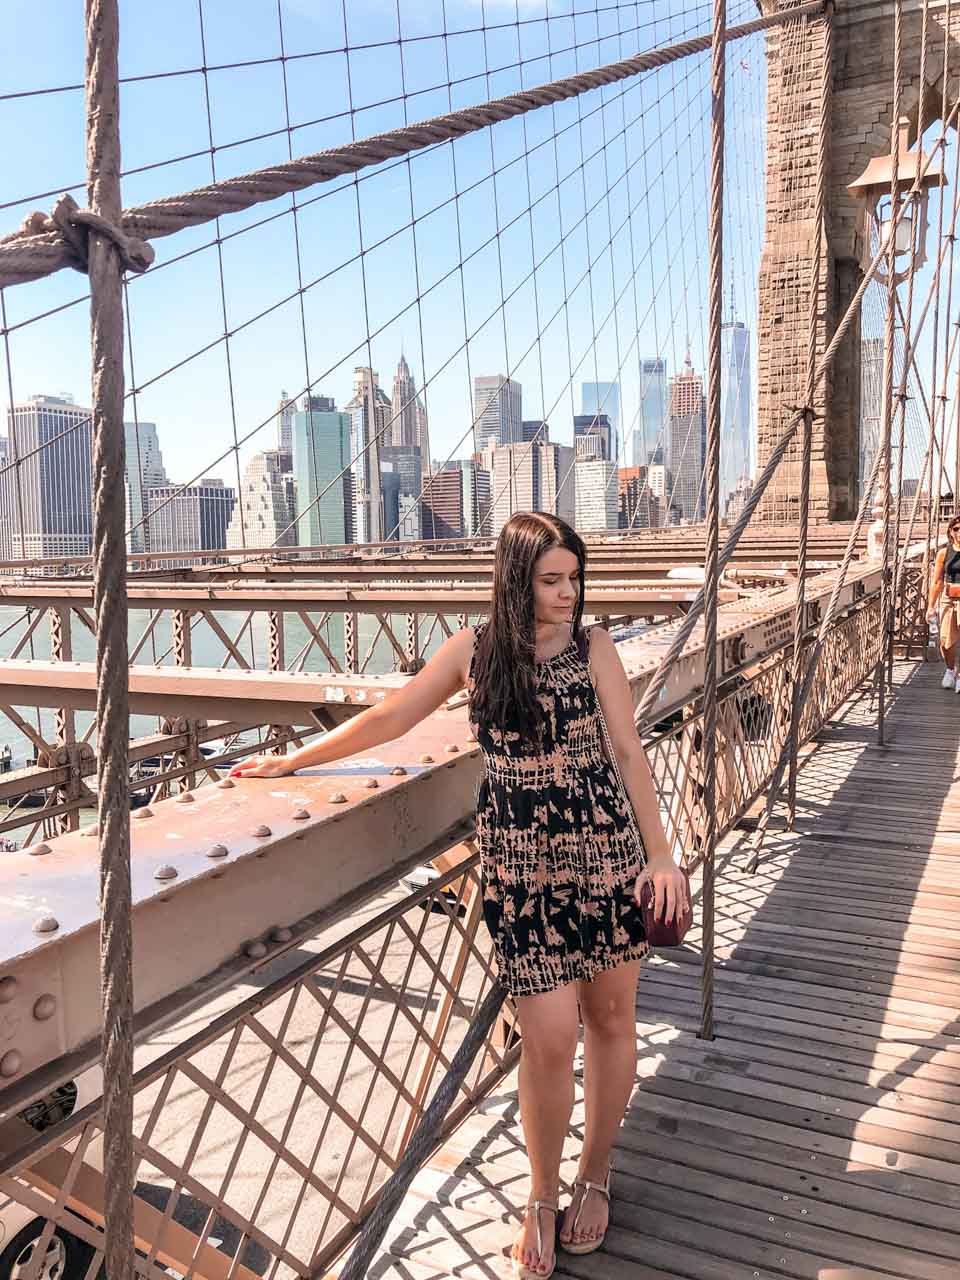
x,y
285,411
144,470
534,429
688,441
408,425
651,431
641,506
734,407
443,503
597,495
369,411
194,517
530,477
603,397
871,404
321,451
477,515
558,481
407,461
46,500
265,510
597,426
497,403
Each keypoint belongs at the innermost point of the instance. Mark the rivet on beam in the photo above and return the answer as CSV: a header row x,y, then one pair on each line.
x,y
46,924
140,814
425,759
225,784
44,1007
451,748
281,934
336,797
261,832
92,830
8,989
371,784
300,815
165,872
255,950
185,797
10,1063
217,851
38,850
398,771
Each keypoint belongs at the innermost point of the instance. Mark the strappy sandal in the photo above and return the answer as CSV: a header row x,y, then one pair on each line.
x,y
586,1246
523,1272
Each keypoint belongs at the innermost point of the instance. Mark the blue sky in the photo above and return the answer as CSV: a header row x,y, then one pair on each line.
x,y
631,162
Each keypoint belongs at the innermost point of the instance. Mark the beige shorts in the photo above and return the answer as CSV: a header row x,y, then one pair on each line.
x,y
949,626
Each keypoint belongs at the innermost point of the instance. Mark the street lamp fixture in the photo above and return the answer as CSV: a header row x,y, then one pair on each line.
x,y
873,188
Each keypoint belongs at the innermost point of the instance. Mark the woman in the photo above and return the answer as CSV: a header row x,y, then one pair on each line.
x,y
946,573
561,868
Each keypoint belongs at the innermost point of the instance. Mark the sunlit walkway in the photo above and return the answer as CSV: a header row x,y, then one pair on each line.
x,y
819,1135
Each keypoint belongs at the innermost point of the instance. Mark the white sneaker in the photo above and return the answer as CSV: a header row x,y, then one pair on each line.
x,y
949,681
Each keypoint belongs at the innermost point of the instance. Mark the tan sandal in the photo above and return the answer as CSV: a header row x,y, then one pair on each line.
x,y
586,1246
520,1270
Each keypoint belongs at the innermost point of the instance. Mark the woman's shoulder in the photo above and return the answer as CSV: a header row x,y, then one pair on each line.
x,y
598,640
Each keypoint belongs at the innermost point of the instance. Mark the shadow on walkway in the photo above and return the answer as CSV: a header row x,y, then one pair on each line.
x,y
818,1135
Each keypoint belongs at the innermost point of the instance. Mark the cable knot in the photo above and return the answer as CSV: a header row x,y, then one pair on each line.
x,y
74,225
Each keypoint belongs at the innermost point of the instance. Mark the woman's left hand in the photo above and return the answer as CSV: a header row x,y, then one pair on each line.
x,y
669,886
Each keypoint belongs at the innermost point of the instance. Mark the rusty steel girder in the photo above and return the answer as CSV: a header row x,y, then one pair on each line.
x,y
217,873
247,696
656,601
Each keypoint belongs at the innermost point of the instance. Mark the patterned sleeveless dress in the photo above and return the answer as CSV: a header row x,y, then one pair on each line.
x,y
558,849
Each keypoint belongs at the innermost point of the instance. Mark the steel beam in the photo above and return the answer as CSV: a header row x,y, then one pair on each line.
x,y
599,544
653,602
225,873
200,693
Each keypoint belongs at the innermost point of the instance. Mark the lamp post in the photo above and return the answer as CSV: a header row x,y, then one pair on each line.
x,y
873,188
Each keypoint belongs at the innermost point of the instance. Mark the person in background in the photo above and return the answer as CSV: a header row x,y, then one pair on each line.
x,y
563,862
945,591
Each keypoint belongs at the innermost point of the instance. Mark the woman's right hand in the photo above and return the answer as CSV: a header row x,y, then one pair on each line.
x,y
263,767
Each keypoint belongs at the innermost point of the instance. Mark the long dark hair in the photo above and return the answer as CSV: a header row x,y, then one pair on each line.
x,y
504,669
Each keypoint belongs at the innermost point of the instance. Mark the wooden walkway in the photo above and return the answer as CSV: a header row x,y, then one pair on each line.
x,y
819,1135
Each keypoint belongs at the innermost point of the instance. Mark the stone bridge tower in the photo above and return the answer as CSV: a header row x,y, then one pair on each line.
x,y
861,106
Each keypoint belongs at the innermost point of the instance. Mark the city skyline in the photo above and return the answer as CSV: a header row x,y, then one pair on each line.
x,y
456,323
331,478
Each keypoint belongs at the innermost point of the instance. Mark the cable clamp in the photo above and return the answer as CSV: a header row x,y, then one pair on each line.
x,y
74,225
804,409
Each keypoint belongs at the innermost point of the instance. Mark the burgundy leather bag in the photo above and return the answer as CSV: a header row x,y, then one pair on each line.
x,y
659,932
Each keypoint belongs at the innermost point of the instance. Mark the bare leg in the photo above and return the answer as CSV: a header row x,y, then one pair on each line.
x,y
608,1008
549,1025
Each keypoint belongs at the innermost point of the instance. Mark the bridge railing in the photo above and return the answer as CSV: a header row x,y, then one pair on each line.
x,y
179,749
311,1054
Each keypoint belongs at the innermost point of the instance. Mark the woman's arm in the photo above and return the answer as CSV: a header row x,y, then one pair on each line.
x,y
443,676
936,586
613,690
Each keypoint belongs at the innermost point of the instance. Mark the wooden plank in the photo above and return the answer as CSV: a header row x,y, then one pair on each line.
x,y
928,1030
758,1216
761,1167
